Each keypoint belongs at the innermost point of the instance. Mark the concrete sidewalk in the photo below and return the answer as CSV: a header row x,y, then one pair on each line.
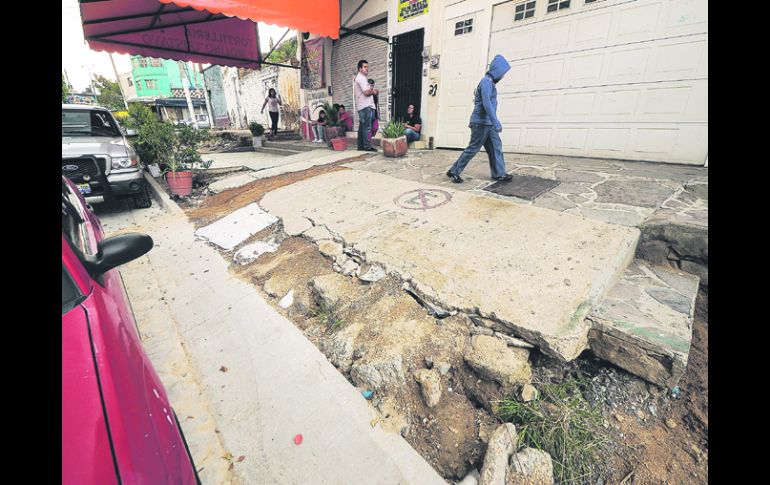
x,y
262,380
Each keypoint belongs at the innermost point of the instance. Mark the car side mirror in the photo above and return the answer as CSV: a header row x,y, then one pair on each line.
x,y
131,132
117,250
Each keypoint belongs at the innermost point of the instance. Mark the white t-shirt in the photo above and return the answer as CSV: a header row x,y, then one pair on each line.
x,y
361,85
272,104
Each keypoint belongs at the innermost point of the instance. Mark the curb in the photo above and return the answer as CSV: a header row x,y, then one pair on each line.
x,y
160,195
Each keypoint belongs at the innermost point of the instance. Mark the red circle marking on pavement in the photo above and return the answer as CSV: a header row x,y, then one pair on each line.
x,y
422,199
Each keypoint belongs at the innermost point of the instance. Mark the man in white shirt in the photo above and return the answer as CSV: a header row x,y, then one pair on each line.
x,y
365,106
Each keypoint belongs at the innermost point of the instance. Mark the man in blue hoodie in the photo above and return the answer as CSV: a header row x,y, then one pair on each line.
x,y
484,125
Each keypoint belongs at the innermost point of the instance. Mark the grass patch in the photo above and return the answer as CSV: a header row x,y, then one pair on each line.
x,y
328,315
561,422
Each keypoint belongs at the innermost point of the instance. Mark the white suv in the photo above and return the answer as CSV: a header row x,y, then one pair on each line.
x,y
97,157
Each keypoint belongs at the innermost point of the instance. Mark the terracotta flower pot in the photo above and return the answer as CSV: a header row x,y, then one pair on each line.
x,y
394,147
330,133
340,144
180,183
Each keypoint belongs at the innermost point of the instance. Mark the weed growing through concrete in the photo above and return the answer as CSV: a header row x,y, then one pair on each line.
x,y
328,314
562,423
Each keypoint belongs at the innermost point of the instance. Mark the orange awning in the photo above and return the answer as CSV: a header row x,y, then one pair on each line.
x,y
222,32
320,17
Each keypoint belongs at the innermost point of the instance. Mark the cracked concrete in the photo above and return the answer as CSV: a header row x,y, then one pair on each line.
x,y
542,279
644,324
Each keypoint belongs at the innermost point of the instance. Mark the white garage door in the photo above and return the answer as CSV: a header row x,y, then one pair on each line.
x,y
608,78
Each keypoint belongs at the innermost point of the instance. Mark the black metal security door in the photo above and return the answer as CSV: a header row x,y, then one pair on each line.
x,y
407,72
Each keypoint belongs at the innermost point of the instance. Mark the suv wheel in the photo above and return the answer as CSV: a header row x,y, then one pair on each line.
x,y
142,199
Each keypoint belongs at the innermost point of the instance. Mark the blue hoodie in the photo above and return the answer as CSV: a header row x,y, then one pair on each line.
x,y
485,96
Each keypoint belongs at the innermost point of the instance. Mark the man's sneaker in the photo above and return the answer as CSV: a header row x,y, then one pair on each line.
x,y
455,178
370,149
505,178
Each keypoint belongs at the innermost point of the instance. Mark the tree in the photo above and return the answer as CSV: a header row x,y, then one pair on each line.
x,y
65,90
284,52
109,93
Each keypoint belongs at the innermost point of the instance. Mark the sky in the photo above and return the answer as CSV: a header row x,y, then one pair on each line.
x,y
80,62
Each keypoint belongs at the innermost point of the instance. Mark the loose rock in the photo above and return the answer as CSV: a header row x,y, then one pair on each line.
x,y
431,386
492,359
500,448
531,467
528,393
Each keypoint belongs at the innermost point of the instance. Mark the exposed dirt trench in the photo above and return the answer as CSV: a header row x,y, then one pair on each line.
x,y
380,338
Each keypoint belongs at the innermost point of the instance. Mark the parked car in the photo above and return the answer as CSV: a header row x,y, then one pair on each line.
x,y
97,156
117,423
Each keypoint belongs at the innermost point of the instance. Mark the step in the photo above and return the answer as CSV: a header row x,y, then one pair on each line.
x,y
289,145
644,323
353,141
284,152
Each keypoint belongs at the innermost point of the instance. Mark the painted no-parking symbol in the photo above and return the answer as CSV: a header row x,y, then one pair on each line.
x,y
422,199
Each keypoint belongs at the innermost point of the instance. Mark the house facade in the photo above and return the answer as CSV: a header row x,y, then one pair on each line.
x,y
624,79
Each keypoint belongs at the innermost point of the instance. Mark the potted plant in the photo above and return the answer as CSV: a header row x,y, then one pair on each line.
x,y
394,142
183,159
332,129
257,130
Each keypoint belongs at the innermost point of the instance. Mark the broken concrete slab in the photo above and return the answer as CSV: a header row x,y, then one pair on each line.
x,y
250,252
335,291
644,324
318,233
331,249
494,360
373,274
231,182
378,374
422,233
236,227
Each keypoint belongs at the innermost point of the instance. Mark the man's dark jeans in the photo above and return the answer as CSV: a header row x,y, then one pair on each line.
x,y
364,127
488,137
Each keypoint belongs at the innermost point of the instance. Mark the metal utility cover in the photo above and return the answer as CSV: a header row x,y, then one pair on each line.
x,y
523,186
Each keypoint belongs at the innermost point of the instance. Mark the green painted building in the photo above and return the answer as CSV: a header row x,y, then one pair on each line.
x,y
160,78
159,83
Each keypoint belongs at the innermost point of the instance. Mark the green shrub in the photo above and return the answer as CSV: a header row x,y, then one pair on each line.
x,y
332,115
256,129
173,148
394,129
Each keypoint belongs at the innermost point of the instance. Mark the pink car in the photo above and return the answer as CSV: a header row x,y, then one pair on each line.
x,y
117,423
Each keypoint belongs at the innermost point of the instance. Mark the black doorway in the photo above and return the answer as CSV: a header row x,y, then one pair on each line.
x,y
407,72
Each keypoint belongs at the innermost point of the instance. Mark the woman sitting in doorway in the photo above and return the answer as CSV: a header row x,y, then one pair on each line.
x,y
318,127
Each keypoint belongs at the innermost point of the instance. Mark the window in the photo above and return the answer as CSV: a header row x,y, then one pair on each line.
x,y
464,27
524,11
151,84
554,5
590,1
70,294
73,222
155,62
142,62
81,122
130,82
